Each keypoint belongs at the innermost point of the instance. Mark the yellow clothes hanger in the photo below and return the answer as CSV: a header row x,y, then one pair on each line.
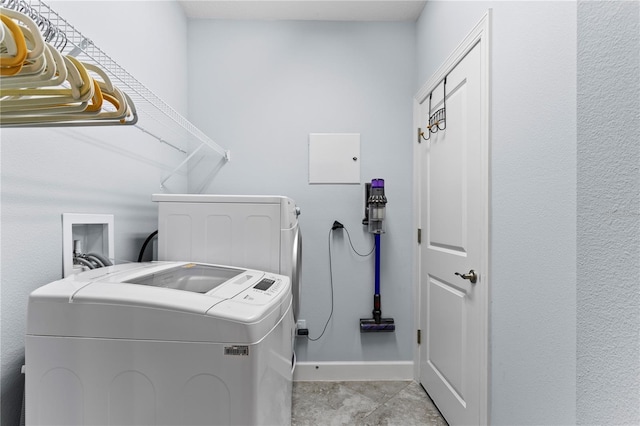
x,y
113,95
27,22
7,44
10,70
32,105
13,36
8,62
81,89
96,100
54,73
38,86
64,113
112,100
117,99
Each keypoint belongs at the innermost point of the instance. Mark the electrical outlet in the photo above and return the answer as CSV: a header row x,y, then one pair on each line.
x,y
302,324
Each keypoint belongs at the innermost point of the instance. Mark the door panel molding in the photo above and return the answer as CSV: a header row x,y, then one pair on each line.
x,y
480,34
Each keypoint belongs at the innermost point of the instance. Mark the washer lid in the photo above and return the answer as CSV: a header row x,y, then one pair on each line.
x,y
130,302
186,287
192,277
136,295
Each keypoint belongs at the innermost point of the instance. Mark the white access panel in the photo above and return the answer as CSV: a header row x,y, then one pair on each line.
x,y
334,158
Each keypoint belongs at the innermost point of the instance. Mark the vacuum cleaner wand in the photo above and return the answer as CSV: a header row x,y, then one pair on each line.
x,y
376,202
377,312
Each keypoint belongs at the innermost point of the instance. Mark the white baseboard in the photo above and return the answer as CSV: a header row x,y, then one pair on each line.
x,y
352,371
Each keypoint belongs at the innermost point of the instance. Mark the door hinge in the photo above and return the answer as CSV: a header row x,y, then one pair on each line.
x,y
419,235
419,135
419,336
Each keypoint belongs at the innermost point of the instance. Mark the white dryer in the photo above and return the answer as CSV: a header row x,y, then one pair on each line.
x,y
249,231
168,343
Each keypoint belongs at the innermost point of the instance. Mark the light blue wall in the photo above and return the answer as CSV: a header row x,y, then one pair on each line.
x,y
608,369
533,198
261,88
47,172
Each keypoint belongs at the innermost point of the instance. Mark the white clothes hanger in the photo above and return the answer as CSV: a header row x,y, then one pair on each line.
x,y
81,89
103,75
27,110
41,87
35,110
55,73
131,119
12,64
38,47
120,115
35,65
8,44
25,105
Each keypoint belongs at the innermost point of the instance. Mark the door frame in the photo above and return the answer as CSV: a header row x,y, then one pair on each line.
x,y
480,34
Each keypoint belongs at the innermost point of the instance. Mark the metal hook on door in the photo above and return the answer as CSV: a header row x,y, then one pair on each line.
x,y
437,120
420,131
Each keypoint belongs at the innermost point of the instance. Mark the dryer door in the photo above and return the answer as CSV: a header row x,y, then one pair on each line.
x,y
296,271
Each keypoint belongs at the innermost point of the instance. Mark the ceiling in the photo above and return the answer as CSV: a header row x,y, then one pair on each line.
x,y
307,10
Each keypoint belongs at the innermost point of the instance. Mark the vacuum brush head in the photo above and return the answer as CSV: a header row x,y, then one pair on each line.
x,y
369,325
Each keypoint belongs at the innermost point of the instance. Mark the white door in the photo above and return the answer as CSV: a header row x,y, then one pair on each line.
x,y
452,183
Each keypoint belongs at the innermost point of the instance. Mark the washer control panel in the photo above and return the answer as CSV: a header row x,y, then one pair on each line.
x,y
265,291
261,296
264,284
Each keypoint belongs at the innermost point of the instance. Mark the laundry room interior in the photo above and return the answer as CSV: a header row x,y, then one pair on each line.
x,y
258,85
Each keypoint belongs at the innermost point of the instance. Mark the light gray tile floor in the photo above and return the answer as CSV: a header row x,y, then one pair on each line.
x,y
363,403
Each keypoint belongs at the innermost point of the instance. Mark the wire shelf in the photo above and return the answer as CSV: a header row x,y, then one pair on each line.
x,y
156,117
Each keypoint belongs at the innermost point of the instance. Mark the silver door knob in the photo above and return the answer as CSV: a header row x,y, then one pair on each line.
x,y
471,276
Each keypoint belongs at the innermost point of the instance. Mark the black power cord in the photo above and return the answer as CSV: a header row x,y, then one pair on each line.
x,y
333,228
146,242
336,225
356,251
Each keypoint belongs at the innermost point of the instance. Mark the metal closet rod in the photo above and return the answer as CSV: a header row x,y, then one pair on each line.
x,y
68,38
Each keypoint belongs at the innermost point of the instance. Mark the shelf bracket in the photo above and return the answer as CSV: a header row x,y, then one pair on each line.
x,y
185,161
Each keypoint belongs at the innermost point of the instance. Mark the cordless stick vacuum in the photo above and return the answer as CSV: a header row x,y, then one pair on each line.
x,y
374,219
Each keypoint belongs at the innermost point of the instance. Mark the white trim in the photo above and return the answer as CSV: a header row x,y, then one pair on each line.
x,y
477,34
481,33
353,371
486,38
416,246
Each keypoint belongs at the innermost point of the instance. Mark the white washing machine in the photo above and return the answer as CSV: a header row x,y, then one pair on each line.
x,y
160,343
250,231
